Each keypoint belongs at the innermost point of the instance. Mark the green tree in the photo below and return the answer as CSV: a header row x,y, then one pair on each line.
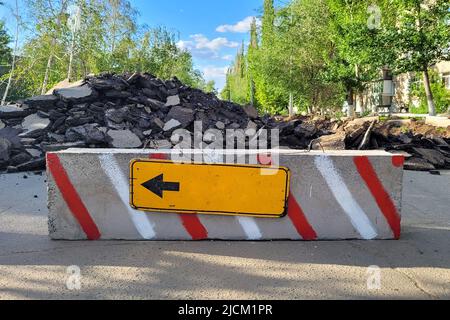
x,y
441,95
351,61
420,34
120,21
271,97
158,54
16,14
252,52
226,91
5,50
289,70
5,55
109,40
51,18
268,21
311,53
313,45
237,79
210,87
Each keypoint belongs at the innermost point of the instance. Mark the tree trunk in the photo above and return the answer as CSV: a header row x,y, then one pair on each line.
x,y
115,16
13,64
47,72
366,101
291,105
351,103
50,57
69,72
361,102
252,92
429,93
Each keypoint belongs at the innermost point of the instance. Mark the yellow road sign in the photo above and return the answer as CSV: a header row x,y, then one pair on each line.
x,y
218,189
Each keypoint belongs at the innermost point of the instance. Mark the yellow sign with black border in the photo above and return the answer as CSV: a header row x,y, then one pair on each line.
x,y
214,189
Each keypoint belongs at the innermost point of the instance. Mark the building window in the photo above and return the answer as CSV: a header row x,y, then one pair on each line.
x,y
446,80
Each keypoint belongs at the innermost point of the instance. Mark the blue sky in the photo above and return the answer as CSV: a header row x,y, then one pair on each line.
x,y
212,30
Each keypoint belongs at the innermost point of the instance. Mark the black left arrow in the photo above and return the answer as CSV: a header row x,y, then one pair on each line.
x,y
158,186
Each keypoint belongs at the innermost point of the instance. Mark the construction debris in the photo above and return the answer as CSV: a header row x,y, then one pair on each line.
x,y
139,110
122,111
425,147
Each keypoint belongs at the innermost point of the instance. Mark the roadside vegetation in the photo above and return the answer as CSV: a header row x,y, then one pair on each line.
x,y
313,55
59,41
304,56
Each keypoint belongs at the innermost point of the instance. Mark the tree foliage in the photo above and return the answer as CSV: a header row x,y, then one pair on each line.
x,y
5,50
324,52
421,34
109,40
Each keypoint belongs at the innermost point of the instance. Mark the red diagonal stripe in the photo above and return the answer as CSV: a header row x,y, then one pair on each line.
x,y
190,222
380,194
71,197
194,227
299,220
295,212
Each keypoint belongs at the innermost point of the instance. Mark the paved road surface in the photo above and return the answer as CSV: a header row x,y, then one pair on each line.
x,y
33,267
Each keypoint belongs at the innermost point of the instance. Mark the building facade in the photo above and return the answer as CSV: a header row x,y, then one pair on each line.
x,y
401,91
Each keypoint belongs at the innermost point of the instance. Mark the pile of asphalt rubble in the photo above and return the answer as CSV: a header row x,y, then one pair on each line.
x,y
122,111
426,148
141,111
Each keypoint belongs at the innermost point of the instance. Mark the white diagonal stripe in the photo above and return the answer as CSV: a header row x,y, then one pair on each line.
x,y
120,183
250,227
344,197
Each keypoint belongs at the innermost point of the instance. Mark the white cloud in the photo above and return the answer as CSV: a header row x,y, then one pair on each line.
x,y
227,57
202,47
218,74
211,72
216,44
242,26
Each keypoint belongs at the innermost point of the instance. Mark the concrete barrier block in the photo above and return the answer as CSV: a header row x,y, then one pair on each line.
x,y
333,196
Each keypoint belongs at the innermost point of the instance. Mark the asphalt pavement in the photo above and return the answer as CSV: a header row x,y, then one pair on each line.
x,y
34,267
